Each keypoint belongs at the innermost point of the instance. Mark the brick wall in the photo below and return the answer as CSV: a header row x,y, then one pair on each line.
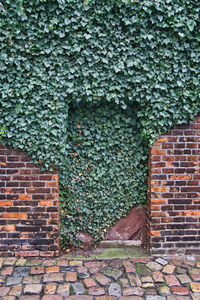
x,y
174,192
29,207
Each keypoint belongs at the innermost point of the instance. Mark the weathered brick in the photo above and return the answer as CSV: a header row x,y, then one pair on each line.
x,y
19,188
182,197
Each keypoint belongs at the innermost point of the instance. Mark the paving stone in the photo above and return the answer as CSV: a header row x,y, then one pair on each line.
x,y
64,289
8,298
32,279
52,297
1,262
124,282
37,270
2,279
10,261
67,269
16,290
171,280
154,297
194,271
21,262
62,263
179,298
131,278
82,272
32,289
137,280
34,262
131,298
21,271
71,276
7,271
195,296
177,262
78,288
164,290
127,263
116,263
112,273
161,261
102,279
180,270
83,275
158,277
50,288
4,290
147,285
147,279
130,270
82,269
180,290
184,278
114,289
133,291
168,269
195,278
52,269
195,287
151,291
106,298
154,266
89,282
75,263
29,297
95,267
189,262
83,297
141,269
13,280
49,262
198,264
96,291
54,277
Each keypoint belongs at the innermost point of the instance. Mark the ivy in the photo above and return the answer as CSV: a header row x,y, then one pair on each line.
x,y
107,172
138,57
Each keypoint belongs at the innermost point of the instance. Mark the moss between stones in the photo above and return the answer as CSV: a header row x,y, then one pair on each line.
x,y
110,253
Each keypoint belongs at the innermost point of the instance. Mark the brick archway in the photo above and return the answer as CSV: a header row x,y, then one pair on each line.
x,y
29,199
173,217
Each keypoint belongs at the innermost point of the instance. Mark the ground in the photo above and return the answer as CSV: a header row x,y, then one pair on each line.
x,y
150,278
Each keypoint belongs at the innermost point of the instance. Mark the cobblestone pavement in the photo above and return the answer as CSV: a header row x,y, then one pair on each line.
x,y
60,279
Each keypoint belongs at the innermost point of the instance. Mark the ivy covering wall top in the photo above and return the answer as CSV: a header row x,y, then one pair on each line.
x,y
139,54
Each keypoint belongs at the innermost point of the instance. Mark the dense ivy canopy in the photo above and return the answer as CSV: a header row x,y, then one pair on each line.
x,y
107,169
139,56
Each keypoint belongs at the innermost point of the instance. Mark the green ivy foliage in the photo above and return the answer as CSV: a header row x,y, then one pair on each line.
x,y
107,172
139,56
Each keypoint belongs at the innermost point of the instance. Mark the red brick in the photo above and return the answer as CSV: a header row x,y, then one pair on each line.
x,y
45,203
14,215
6,203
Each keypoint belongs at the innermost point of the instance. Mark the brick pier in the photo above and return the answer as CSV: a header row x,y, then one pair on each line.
x,y
29,207
174,192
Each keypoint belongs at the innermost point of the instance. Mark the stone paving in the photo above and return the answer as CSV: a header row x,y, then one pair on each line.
x,y
59,279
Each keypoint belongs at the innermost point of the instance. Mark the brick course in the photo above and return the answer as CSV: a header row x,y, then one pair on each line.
x,y
174,192
29,207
